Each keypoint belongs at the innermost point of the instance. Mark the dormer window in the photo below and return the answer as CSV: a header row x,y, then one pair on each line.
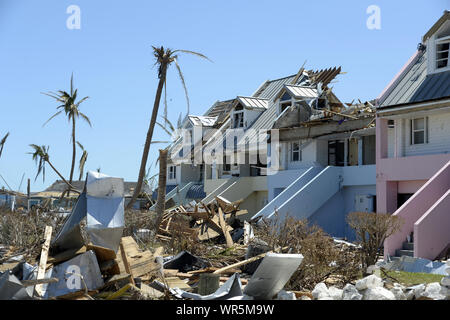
x,y
442,49
285,102
238,119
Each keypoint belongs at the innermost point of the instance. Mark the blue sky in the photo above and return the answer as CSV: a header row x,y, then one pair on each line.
x,y
111,58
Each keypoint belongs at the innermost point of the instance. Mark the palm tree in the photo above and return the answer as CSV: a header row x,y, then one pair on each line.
x,y
2,143
70,106
164,58
83,160
41,156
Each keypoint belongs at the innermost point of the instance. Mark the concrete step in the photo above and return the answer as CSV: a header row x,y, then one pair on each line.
x,y
400,253
408,246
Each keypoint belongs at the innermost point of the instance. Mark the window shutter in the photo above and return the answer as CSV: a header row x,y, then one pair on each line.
x,y
426,129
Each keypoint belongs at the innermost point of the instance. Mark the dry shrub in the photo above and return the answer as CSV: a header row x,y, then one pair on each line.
x,y
371,231
181,235
24,232
322,257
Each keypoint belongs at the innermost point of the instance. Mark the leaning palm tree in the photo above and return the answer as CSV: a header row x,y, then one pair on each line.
x,y
71,108
164,58
83,160
41,156
2,143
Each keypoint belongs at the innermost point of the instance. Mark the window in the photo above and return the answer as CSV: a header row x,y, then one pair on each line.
x,y
172,172
238,119
442,54
226,166
442,49
285,102
296,153
419,130
391,124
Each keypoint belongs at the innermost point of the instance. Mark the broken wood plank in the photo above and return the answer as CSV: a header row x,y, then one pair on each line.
x,y
224,279
29,283
43,259
65,255
212,269
241,263
120,292
140,262
223,225
125,262
158,252
102,253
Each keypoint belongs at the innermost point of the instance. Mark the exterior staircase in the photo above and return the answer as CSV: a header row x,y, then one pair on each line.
x,y
406,250
426,215
305,195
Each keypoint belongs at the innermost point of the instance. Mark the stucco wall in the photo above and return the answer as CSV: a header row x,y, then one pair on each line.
x,y
332,215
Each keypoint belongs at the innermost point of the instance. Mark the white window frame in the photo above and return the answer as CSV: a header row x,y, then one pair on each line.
x,y
172,172
440,41
299,151
424,130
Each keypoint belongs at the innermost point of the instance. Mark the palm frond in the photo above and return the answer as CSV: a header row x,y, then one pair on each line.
x,y
171,127
85,118
165,129
80,145
2,143
53,116
180,74
83,160
198,54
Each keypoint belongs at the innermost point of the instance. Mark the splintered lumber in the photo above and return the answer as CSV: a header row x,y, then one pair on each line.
x,y
140,262
224,279
102,253
120,292
65,255
175,282
229,241
29,283
212,269
158,252
125,262
241,263
43,259
177,273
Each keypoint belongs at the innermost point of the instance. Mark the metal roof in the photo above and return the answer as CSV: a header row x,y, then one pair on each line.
x,y
221,109
270,88
196,191
414,85
253,103
203,120
301,91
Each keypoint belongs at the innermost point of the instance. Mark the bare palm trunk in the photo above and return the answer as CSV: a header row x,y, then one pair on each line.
x,y
65,181
148,139
74,150
161,200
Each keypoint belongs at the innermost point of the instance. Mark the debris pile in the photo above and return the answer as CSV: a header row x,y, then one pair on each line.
x,y
91,259
374,287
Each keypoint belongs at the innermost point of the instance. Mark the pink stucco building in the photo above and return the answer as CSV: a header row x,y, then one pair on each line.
x,y
413,148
